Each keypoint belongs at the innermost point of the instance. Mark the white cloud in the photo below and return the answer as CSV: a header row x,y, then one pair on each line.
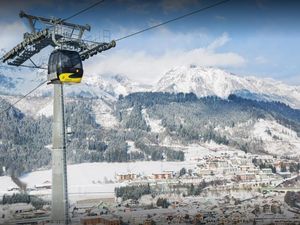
x,y
161,37
219,42
11,34
146,68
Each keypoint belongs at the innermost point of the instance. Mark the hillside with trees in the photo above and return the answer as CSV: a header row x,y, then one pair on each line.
x,y
25,142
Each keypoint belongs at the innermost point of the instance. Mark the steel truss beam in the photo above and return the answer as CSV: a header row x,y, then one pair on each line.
x,y
57,33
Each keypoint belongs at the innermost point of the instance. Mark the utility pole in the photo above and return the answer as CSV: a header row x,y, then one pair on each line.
x,y
60,206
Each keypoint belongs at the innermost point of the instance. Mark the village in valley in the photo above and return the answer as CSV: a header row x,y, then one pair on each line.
x,y
223,187
188,112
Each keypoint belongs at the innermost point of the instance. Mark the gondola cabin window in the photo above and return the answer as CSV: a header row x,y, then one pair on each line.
x,y
65,67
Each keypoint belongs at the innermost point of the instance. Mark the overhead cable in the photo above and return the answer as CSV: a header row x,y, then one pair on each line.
x,y
24,96
174,19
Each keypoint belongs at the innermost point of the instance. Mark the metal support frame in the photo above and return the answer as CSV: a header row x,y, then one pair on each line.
x,y
56,33
60,205
52,22
95,49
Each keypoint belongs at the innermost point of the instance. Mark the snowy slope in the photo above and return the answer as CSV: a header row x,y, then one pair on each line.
x,y
114,84
103,111
105,89
155,125
276,138
32,106
204,81
6,183
97,178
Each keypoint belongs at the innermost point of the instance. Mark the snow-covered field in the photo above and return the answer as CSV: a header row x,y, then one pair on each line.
x,y
89,180
89,173
6,184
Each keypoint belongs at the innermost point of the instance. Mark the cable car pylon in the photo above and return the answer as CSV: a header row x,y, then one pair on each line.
x,y
60,202
64,67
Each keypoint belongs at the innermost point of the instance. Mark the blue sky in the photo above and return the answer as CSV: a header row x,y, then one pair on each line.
x,y
249,37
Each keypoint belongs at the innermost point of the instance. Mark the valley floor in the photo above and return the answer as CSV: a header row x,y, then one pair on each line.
x,y
231,190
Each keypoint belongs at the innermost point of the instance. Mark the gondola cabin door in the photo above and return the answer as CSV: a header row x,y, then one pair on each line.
x,y
65,66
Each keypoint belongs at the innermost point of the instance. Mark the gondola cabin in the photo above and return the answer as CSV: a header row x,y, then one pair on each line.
x,y
65,67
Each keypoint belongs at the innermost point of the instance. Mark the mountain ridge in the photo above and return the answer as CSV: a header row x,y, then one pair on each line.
x,y
206,81
203,81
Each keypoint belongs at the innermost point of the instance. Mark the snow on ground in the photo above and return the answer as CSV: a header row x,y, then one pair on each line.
x,y
33,106
47,110
5,184
196,151
219,148
90,173
278,139
97,179
208,81
104,114
155,125
193,152
132,148
266,129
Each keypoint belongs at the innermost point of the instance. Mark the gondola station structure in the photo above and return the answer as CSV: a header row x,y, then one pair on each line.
x,y
64,67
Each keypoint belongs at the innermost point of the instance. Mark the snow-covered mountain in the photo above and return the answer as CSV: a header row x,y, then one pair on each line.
x,y
114,85
106,88
18,81
15,81
205,81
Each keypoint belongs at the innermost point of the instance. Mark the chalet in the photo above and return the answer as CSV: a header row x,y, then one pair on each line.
x,y
126,177
163,175
247,176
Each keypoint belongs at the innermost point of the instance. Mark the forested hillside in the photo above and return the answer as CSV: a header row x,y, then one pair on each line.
x,y
25,142
22,141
